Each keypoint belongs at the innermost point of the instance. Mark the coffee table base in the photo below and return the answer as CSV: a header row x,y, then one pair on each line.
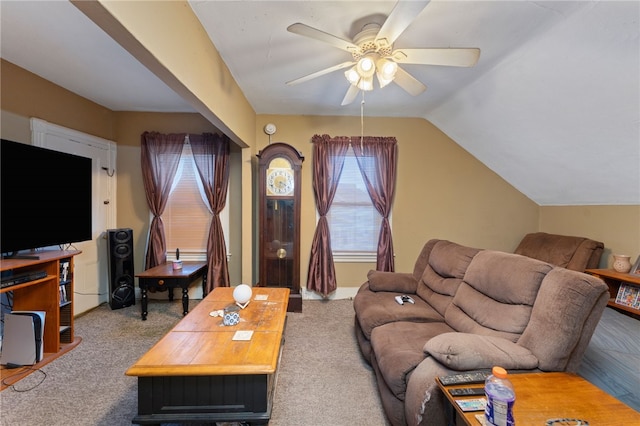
x,y
175,399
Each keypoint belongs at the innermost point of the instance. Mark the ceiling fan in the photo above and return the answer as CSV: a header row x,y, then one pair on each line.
x,y
372,53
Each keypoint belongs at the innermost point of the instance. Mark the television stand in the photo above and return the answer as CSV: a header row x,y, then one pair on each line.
x,y
15,255
52,294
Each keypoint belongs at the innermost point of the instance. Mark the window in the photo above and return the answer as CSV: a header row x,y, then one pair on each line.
x,y
187,217
354,223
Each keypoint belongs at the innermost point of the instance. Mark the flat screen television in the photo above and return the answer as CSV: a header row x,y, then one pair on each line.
x,y
45,198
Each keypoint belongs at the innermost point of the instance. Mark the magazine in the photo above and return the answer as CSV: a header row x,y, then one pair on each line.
x,y
628,295
474,404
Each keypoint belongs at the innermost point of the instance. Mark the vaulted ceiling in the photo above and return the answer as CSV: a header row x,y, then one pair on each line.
x,y
552,106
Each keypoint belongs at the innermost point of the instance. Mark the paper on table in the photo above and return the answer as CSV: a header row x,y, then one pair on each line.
x,y
243,335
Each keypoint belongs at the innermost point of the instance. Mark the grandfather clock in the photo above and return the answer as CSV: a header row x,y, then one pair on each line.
x,y
280,167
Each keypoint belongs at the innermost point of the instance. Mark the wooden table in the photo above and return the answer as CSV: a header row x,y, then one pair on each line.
x,y
164,277
544,396
199,373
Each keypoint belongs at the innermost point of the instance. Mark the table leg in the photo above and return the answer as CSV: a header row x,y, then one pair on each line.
x,y
185,301
204,282
145,302
170,289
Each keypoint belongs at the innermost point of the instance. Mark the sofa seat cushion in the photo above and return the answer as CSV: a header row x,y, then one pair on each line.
x,y
497,295
464,351
374,309
398,349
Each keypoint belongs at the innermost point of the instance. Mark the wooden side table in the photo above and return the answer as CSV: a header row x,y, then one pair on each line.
x,y
164,277
613,279
544,396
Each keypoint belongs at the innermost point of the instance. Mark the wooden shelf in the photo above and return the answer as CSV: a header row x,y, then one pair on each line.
x,y
613,279
44,295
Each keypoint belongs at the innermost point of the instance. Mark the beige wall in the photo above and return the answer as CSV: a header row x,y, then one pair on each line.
x,y
133,211
442,192
617,226
27,95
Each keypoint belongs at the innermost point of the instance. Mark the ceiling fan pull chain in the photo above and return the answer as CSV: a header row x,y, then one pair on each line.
x,y
362,122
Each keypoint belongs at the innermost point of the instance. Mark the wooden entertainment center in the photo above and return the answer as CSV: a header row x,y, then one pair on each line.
x,y
52,294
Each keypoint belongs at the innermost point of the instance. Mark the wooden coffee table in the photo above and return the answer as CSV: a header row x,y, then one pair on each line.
x,y
544,396
198,373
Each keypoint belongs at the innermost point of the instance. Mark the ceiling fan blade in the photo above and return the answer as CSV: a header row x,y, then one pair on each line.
x,y
351,95
452,57
307,31
408,82
321,72
402,15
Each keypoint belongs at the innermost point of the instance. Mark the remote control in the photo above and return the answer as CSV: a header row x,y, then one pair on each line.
x,y
464,378
404,298
466,391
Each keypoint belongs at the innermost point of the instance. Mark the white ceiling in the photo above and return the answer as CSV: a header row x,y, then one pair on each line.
x,y
553,105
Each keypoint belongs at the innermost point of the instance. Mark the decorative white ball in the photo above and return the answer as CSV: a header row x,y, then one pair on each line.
x,y
242,294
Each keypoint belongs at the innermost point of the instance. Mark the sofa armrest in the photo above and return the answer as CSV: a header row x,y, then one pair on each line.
x,y
398,282
466,351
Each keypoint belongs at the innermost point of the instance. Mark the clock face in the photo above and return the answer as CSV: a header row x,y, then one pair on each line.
x,y
280,182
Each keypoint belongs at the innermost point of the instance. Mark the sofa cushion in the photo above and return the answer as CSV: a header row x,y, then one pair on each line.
x,y
374,309
398,348
464,351
444,273
497,295
392,281
565,301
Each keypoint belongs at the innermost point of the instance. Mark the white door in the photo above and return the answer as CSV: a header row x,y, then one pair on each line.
x,y
91,273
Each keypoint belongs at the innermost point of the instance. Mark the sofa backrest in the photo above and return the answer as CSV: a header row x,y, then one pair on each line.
x,y
423,259
575,253
497,295
566,312
443,272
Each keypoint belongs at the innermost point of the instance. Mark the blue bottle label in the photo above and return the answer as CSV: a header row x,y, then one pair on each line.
x,y
499,408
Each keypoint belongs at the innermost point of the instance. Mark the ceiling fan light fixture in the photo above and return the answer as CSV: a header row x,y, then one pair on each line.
x,y
366,66
387,68
352,75
366,83
386,71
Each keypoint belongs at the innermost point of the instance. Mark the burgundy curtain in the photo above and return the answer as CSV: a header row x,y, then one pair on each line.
x,y
211,154
377,162
160,156
328,160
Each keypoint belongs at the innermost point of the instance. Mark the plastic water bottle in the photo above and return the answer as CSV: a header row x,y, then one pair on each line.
x,y
500,399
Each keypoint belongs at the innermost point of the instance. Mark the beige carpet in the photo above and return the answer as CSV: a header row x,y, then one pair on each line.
x,y
322,378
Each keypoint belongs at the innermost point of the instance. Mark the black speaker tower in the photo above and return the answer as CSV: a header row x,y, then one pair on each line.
x,y
121,276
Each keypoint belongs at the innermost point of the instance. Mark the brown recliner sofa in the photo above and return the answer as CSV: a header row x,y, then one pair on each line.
x,y
473,309
575,253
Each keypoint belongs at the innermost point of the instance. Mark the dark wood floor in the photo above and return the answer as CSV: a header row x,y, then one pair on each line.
x,y
612,360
